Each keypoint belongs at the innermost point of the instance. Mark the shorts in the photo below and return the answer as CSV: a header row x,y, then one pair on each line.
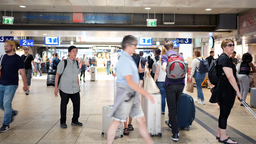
x,y
28,73
127,108
141,76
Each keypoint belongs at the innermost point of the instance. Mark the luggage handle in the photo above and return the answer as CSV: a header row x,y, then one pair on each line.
x,y
247,107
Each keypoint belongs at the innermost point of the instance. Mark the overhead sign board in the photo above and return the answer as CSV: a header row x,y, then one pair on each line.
x,y
8,20
145,41
151,22
6,38
183,40
25,42
175,43
51,40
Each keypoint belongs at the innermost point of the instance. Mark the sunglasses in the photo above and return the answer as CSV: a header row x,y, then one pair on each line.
x,y
230,45
134,44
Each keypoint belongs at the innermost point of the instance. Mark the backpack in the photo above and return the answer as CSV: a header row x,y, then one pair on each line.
x,y
176,68
212,73
203,66
154,65
55,63
65,65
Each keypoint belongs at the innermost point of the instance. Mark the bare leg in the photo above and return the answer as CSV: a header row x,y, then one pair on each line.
x,y
130,120
112,131
223,135
141,121
125,124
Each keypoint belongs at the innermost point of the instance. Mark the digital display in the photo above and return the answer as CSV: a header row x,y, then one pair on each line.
x,y
51,40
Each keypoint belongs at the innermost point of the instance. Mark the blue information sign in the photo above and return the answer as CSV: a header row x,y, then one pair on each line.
x,y
25,42
175,43
51,40
145,41
6,38
183,40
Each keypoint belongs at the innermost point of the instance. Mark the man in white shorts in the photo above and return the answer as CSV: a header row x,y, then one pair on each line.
x,y
127,96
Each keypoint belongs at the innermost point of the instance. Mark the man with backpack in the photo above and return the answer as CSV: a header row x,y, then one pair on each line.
x,y
55,61
152,63
142,66
67,84
174,82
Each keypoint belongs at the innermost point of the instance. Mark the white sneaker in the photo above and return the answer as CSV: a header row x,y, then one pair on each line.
x,y
197,100
202,102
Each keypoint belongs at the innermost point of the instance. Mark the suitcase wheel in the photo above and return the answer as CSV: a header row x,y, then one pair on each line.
x,y
122,136
188,128
160,134
102,133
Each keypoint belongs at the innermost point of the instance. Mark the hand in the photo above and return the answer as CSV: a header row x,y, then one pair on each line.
x,y
56,92
190,79
25,88
152,99
35,70
79,89
114,74
239,96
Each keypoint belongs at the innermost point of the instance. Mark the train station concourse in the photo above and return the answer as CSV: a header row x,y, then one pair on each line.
x,y
44,33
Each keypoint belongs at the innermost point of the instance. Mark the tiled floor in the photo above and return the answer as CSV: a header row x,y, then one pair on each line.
x,y
38,118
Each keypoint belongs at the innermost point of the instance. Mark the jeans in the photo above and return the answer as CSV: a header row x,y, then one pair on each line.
x,y
199,77
6,95
173,92
38,69
75,98
28,73
161,87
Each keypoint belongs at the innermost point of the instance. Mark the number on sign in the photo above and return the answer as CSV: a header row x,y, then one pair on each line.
x,y
24,42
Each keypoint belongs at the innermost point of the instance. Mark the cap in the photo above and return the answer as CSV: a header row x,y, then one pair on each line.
x,y
70,48
11,42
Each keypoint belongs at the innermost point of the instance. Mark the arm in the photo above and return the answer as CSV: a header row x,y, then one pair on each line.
x,y
164,66
157,73
56,84
33,62
229,73
78,83
136,88
253,68
24,79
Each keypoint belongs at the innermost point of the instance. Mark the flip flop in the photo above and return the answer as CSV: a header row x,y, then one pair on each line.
x,y
226,141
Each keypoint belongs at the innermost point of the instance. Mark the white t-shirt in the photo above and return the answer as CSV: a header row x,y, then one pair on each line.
x,y
162,74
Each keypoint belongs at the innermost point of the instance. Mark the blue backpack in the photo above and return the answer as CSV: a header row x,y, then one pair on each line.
x,y
203,66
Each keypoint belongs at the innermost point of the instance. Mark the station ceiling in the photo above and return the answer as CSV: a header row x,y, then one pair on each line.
x,y
130,6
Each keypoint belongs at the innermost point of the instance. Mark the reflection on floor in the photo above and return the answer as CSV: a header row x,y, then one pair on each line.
x,y
39,113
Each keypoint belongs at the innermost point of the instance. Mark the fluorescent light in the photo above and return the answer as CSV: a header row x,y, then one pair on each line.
x,y
147,8
44,34
22,6
170,23
208,9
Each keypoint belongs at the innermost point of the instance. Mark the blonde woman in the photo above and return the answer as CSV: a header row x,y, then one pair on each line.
x,y
160,79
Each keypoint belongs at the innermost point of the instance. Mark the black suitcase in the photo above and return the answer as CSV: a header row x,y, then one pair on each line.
x,y
50,80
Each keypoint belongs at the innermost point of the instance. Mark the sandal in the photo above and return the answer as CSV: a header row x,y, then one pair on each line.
x,y
226,141
130,127
126,131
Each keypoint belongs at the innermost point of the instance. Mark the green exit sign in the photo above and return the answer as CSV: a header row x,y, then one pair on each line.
x,y
151,22
8,20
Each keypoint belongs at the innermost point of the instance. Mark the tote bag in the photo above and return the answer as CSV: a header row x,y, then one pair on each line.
x,y
150,85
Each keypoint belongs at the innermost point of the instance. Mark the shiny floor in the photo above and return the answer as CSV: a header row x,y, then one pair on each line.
x,y
39,113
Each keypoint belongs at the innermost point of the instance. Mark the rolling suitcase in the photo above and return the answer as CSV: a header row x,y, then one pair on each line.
x,y
152,114
106,121
186,111
253,97
50,79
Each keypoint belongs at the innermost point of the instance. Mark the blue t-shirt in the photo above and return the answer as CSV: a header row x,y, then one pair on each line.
x,y
10,68
126,66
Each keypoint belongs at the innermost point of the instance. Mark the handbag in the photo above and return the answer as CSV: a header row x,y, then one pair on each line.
x,y
150,85
190,87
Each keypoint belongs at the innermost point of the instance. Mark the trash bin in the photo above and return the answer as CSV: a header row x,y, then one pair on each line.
x,y
94,72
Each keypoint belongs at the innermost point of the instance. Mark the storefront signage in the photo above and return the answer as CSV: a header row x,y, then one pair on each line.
x,y
211,42
183,40
175,43
25,42
78,17
6,38
45,17
8,20
51,40
145,41
151,22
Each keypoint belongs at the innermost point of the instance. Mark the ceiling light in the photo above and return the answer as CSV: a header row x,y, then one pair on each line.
x,y
147,8
22,6
44,34
208,9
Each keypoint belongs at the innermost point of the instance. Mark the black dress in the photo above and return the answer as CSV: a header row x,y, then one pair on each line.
x,y
223,91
